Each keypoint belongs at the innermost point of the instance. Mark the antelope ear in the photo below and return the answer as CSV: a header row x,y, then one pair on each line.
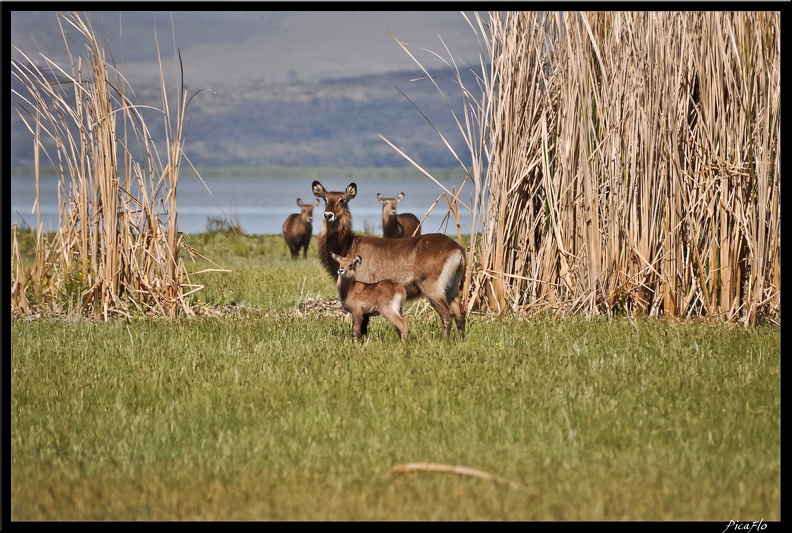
x,y
400,197
299,202
318,190
357,260
351,191
334,256
380,197
316,202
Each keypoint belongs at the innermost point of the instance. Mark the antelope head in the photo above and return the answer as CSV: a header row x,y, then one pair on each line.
x,y
389,204
335,202
306,210
346,266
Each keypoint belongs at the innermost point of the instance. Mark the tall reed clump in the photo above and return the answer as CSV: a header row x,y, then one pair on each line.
x,y
627,163
116,250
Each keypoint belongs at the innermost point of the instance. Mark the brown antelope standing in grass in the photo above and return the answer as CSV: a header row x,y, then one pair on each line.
x,y
395,225
430,265
298,229
364,300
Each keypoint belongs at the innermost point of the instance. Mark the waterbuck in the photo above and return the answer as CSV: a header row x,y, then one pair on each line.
x,y
395,225
430,265
364,300
298,229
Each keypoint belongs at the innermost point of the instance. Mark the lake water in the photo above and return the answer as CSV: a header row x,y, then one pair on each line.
x,y
260,205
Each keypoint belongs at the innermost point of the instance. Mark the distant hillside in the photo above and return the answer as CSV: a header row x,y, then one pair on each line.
x,y
331,124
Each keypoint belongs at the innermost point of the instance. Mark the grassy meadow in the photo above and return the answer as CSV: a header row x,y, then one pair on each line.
x,y
263,407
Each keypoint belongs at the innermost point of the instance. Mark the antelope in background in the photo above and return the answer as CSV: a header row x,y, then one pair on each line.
x,y
430,265
298,229
364,300
395,225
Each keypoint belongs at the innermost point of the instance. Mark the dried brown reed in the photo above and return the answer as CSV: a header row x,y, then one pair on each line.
x,y
116,250
626,163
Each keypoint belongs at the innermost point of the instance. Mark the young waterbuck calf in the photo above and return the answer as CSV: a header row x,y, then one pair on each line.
x,y
430,265
364,300
298,229
395,225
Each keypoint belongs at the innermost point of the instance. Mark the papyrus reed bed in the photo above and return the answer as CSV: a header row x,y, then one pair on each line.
x,y
116,250
626,163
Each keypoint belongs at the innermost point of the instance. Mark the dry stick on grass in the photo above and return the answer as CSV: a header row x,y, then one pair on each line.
x,y
461,470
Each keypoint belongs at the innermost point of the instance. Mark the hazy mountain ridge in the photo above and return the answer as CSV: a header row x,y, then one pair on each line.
x,y
335,123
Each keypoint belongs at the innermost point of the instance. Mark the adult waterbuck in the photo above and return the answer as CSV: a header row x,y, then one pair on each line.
x,y
298,229
430,265
364,300
395,225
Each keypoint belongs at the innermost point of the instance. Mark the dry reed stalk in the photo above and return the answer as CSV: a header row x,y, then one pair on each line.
x,y
19,300
116,251
627,163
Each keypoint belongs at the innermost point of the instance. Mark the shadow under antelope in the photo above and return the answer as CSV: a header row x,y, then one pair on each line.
x,y
395,225
298,229
364,300
431,265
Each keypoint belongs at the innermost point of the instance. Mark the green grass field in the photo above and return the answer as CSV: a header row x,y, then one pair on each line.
x,y
268,410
